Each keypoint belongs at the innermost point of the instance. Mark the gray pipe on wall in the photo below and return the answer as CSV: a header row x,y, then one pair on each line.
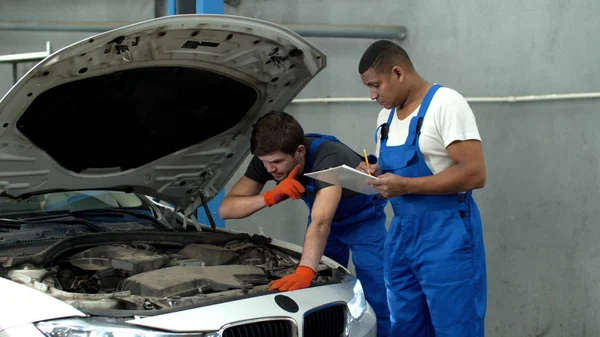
x,y
331,31
351,31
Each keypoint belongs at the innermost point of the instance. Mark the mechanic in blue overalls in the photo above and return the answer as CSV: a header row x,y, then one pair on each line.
x,y
339,221
430,158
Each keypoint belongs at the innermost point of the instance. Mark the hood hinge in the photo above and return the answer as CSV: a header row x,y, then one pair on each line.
x,y
207,210
189,209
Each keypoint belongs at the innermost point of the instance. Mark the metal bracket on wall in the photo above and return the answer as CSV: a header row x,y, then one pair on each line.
x,y
15,59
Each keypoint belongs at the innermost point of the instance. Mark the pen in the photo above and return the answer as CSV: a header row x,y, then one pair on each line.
x,y
367,161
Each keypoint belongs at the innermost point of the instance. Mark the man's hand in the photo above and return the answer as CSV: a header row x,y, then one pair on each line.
x,y
374,170
468,173
390,185
299,280
287,188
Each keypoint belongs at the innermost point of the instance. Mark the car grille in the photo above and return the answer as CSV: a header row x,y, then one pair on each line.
x,y
279,328
326,322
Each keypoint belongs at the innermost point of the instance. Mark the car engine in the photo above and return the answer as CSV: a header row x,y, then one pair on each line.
x,y
145,276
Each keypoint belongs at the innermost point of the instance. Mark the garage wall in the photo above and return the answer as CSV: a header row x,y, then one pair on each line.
x,y
540,205
12,42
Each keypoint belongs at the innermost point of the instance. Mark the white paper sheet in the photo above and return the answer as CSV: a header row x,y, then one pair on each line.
x,y
347,177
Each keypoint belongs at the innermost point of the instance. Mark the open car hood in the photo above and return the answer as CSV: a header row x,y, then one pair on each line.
x,y
164,107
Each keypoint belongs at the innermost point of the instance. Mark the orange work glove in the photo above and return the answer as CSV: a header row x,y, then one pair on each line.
x,y
287,188
298,280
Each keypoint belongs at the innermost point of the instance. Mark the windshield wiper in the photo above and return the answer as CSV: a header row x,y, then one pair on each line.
x,y
16,223
100,212
9,224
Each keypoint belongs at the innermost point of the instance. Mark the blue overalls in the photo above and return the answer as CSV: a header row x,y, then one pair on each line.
x,y
358,225
434,259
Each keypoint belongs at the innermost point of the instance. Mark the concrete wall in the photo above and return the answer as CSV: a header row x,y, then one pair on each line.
x,y
12,42
540,205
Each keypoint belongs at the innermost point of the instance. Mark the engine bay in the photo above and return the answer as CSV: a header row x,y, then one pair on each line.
x,y
157,276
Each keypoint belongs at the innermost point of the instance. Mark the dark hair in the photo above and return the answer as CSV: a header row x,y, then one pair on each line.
x,y
276,131
382,55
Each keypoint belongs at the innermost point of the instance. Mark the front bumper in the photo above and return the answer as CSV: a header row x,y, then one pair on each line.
x,y
366,326
313,309
363,327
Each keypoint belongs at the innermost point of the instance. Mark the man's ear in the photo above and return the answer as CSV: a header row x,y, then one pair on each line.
x,y
300,156
301,150
398,73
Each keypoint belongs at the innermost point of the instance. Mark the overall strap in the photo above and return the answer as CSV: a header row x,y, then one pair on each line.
x,y
391,116
320,135
415,123
319,139
314,145
310,154
385,127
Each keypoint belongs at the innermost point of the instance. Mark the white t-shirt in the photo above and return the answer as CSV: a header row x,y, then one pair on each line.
x,y
448,119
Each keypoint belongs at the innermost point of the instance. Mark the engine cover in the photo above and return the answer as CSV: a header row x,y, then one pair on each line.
x,y
211,255
131,259
189,280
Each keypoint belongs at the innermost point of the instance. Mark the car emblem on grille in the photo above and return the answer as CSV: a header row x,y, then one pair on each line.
x,y
286,303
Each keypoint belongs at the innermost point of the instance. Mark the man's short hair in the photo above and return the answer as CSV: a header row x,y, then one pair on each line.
x,y
276,132
382,56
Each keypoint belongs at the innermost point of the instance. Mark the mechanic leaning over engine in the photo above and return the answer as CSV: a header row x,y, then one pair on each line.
x,y
430,159
339,221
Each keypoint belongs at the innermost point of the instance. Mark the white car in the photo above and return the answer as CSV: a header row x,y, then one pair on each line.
x,y
162,108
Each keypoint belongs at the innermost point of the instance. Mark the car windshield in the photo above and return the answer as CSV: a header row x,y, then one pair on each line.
x,y
70,201
27,225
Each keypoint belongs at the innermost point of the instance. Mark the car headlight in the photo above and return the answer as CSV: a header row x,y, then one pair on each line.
x,y
88,328
358,304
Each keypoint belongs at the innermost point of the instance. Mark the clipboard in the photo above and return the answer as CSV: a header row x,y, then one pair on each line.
x,y
347,177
